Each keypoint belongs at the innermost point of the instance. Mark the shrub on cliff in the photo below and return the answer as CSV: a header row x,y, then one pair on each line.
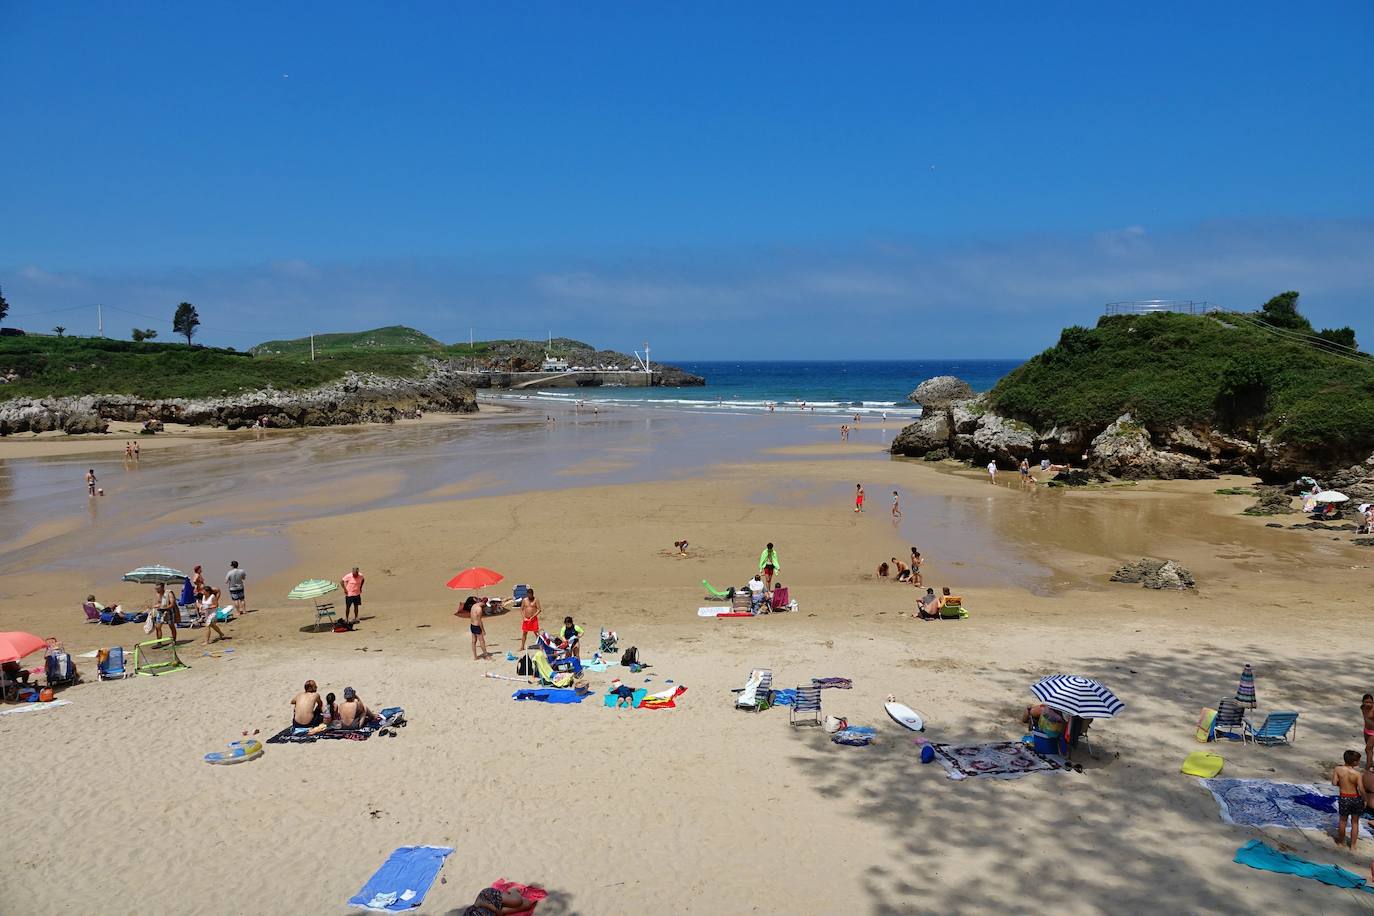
x,y
1231,372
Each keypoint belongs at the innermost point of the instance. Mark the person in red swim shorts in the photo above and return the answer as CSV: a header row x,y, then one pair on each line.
x,y
529,621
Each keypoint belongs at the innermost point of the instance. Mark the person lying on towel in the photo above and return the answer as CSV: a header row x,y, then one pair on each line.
x,y
490,900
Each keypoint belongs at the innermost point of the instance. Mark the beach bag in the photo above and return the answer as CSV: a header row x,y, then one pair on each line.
x,y
526,667
630,656
148,624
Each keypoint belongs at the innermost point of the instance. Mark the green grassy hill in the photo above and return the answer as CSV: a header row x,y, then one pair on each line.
x,y
393,339
1223,370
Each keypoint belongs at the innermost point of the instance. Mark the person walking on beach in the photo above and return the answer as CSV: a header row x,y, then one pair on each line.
x,y
768,565
90,482
896,506
353,594
858,497
529,621
476,624
197,580
235,579
128,451
1352,801
165,612
992,471
209,606
1024,468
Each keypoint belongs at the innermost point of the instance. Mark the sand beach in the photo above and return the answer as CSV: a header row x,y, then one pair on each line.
x,y
700,808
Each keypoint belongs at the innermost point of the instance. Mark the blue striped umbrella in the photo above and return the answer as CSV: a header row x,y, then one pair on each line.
x,y
1077,696
151,575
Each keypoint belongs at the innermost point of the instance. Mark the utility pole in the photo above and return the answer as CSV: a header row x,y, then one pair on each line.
x,y
100,319
312,346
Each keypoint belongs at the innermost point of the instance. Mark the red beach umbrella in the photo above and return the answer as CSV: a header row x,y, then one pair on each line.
x,y
477,577
15,645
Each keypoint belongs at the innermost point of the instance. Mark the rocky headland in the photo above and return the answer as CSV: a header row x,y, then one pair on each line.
x,y
358,397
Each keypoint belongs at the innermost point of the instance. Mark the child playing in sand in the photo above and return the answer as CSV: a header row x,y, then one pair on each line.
x,y
1367,713
681,547
858,497
1351,803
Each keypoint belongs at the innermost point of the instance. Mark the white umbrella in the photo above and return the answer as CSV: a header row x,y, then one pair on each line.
x,y
151,575
1331,496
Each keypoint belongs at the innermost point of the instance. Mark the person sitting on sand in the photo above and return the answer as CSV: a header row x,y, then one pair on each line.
x,y
14,674
307,707
902,574
490,900
928,606
757,594
353,713
117,616
882,570
1045,718
530,610
331,710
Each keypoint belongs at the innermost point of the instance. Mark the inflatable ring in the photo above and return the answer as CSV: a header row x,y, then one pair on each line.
x,y
238,752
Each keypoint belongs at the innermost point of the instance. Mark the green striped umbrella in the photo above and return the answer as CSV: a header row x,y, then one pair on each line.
x,y
151,575
313,588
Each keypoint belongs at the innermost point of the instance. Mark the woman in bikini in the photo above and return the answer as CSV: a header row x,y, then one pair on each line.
x,y
490,900
1367,713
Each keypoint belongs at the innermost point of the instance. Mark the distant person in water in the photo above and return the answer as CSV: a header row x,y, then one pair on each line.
x,y
128,451
90,482
896,505
858,497
992,471
136,449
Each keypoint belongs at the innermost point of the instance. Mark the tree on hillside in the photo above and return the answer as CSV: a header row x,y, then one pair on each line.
x,y
1282,312
185,321
59,330
4,306
141,334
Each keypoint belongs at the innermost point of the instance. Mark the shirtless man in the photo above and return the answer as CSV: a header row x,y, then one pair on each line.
x,y
475,609
307,709
352,712
90,482
529,621
1367,713
165,612
1351,804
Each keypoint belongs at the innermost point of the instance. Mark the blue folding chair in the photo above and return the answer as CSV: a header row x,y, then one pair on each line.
x,y
113,669
1275,729
808,705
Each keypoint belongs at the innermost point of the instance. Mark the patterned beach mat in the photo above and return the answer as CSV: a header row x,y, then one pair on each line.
x,y
1003,760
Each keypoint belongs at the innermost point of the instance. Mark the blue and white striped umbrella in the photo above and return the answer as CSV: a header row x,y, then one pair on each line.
x,y
151,575
1077,696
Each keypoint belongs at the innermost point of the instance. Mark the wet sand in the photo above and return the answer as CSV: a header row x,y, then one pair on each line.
x,y
716,810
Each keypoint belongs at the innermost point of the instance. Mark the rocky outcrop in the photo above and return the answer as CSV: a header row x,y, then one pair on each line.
x,y
1152,573
356,398
968,429
941,391
1271,502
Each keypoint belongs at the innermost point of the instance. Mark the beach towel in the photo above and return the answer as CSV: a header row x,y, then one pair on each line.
x,y
1001,760
550,695
1206,724
785,697
403,880
294,735
1258,803
30,707
524,890
663,699
1202,763
611,699
854,735
842,683
1259,855
597,664
712,611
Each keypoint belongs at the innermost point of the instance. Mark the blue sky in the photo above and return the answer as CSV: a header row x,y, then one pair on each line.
x,y
787,179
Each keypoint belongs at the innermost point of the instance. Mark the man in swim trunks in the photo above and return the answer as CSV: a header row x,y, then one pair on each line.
x,y
165,612
769,564
490,900
1351,803
529,620
353,593
235,579
475,610
307,707
858,497
90,482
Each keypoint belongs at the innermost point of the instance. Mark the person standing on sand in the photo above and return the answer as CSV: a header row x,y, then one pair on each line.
x,y
768,565
128,451
476,624
209,605
1367,713
529,620
90,482
353,594
165,612
896,506
197,580
1351,804
992,471
235,579
858,497
917,561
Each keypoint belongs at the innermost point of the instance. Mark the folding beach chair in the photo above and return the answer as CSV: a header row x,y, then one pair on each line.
x,y
1230,718
609,640
714,593
808,705
558,659
59,669
112,668
953,608
741,603
757,694
551,675
519,592
781,598
1274,730
92,612
324,613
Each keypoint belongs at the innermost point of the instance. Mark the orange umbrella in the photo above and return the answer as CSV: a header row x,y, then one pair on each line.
x,y
477,577
15,645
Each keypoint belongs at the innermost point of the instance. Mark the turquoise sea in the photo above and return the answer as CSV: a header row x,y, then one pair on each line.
x,y
838,387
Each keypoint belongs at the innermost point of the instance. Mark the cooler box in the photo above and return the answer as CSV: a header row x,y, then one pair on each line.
x,y
1043,743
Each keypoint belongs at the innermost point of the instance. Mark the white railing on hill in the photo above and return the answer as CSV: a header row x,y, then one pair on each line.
x,y
1146,306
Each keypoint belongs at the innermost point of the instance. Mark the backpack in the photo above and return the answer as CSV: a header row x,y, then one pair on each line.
x,y
630,656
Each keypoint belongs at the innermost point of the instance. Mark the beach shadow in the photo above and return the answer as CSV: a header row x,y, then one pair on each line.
x,y
1026,832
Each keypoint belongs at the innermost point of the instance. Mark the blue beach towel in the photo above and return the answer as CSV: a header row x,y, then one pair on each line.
x,y
403,880
1260,803
550,695
1257,855
785,697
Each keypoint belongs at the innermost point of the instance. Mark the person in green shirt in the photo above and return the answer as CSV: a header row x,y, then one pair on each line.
x,y
768,565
